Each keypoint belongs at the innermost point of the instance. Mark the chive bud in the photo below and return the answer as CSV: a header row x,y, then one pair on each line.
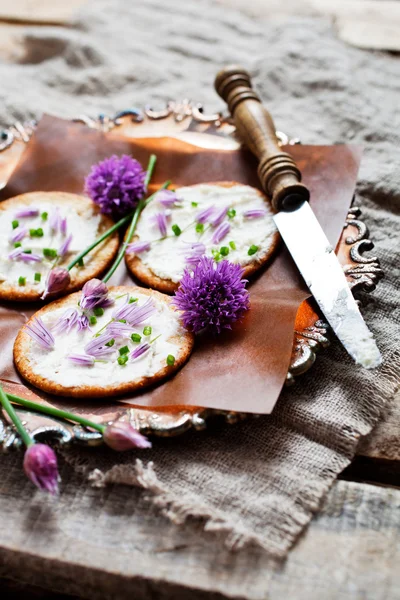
x,y
123,350
98,311
252,250
15,224
232,245
92,320
38,277
231,213
110,343
199,227
170,360
122,360
136,337
147,330
224,251
176,229
21,280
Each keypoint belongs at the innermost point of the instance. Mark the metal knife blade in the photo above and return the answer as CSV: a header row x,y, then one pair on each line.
x,y
324,276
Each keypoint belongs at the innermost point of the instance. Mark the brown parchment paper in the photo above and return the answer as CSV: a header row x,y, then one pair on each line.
x,y
243,370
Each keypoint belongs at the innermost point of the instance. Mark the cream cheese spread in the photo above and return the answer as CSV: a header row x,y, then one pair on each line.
x,y
248,240
163,339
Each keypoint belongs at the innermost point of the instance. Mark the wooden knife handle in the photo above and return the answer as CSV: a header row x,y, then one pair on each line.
x,y
278,173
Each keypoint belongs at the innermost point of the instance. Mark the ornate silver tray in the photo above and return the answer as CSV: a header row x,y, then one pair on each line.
x,y
185,120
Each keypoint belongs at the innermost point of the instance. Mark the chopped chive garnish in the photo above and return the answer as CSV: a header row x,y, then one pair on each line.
x,y
170,360
92,320
232,245
231,213
44,216
38,276
15,224
110,343
123,350
217,256
17,245
199,227
80,263
27,251
21,280
147,330
98,311
122,360
176,229
49,252
36,232
252,250
136,337
224,251
121,320
194,204
132,300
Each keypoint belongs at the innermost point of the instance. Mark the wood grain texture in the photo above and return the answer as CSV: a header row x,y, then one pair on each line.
x,y
110,544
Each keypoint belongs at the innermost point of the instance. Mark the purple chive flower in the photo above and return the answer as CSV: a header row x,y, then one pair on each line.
x,y
40,465
63,249
140,350
116,184
133,313
138,247
63,225
67,321
117,329
94,293
27,212
204,215
218,216
58,279
19,234
54,220
120,436
82,322
167,198
81,359
255,213
97,347
38,331
160,220
212,296
221,231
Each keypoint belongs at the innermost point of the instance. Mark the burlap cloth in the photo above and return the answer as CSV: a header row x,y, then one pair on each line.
x,y
261,480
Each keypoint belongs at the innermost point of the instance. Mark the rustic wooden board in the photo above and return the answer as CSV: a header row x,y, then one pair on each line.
x,y
112,544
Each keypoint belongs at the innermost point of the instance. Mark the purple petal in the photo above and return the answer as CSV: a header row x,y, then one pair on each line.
x,y
63,225
140,350
15,253
204,215
83,322
81,359
121,436
160,219
63,249
138,247
27,212
66,321
221,231
254,213
40,465
167,198
97,346
39,332
54,220
19,234
94,292
118,329
218,216
30,257
135,314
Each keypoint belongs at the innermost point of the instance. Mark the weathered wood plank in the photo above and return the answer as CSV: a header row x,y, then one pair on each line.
x,y
112,544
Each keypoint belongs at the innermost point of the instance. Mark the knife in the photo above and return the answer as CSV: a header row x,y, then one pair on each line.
x,y
281,180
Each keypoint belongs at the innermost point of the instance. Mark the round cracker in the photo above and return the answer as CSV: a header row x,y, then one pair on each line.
x,y
22,351
145,275
101,257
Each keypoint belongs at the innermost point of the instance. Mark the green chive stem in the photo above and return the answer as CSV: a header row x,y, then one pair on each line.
x,y
50,410
8,407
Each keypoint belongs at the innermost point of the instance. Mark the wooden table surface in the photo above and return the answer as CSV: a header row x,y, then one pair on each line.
x,y
351,550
